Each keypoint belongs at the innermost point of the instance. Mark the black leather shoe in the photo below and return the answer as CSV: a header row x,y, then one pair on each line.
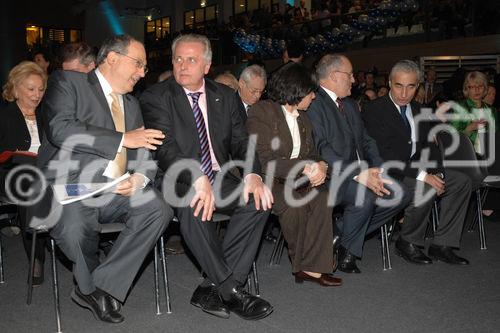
x,y
209,300
115,304
101,306
347,261
247,306
446,254
411,253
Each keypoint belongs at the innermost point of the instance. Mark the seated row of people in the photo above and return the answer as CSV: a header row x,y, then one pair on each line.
x,y
300,164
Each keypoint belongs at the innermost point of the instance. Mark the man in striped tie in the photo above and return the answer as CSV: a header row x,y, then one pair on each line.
x,y
204,135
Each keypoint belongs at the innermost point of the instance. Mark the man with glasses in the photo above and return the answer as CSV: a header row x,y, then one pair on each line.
x,y
251,85
95,133
353,159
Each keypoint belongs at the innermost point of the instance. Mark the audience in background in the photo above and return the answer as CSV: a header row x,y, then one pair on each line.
x,y
77,57
489,99
43,59
251,86
227,79
164,75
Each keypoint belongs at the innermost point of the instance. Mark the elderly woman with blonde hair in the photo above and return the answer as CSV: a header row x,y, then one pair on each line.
x,y
477,120
21,130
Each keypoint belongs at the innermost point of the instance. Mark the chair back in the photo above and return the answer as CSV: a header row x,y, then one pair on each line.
x,y
459,154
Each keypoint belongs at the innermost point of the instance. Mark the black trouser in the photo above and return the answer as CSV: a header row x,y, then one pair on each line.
x,y
360,220
453,208
233,257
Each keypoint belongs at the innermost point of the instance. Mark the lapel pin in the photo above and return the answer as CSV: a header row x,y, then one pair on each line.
x,y
216,99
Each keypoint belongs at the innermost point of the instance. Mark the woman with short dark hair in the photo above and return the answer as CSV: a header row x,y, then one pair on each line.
x,y
284,142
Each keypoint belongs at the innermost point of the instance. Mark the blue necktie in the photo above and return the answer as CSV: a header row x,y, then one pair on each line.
x,y
405,119
206,160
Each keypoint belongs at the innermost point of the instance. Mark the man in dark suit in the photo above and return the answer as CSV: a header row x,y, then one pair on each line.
x,y
94,133
205,134
353,157
393,121
251,85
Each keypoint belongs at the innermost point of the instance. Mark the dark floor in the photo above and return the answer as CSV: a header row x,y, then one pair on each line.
x,y
408,298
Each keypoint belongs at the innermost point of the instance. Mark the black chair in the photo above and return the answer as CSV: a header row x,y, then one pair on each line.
x,y
8,216
457,149
109,228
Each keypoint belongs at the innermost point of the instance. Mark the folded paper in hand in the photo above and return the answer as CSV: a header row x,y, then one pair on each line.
x,y
68,193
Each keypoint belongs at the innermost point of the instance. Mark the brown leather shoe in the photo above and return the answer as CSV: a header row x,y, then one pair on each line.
x,y
326,280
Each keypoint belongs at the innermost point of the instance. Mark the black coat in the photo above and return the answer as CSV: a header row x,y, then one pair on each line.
x,y
14,133
384,123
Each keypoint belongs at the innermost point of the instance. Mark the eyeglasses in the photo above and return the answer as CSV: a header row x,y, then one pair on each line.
x,y
475,87
350,74
255,91
138,63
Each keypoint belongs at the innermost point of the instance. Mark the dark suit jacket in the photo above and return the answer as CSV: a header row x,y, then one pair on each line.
x,y
74,104
14,134
166,107
267,122
384,123
241,108
331,143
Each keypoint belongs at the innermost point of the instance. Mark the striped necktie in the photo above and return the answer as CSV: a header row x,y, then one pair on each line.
x,y
120,162
206,160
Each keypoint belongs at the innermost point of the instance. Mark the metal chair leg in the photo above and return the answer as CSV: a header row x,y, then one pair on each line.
x,y
157,282
282,247
482,236
31,268
55,284
255,279
274,253
2,278
475,220
435,216
249,284
165,273
386,257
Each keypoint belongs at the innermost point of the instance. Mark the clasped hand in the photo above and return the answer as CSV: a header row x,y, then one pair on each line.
x,y
316,172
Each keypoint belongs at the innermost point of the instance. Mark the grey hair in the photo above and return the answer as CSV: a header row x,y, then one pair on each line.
x,y
252,71
207,55
329,63
406,66
118,44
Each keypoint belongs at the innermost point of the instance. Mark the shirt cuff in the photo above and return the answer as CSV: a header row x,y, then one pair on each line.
x,y
245,179
421,176
145,182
